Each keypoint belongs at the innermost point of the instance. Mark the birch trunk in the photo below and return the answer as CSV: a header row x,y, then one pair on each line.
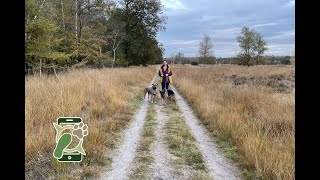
x,y
77,28
54,70
114,56
40,67
76,19
63,24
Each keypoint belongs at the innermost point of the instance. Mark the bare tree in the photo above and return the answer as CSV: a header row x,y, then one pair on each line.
x,y
179,57
205,48
115,36
116,40
172,57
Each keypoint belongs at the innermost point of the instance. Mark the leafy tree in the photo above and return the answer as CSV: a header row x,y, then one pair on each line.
x,y
252,47
260,48
74,33
143,19
39,31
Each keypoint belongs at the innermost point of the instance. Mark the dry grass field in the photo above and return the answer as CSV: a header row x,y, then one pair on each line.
x,y
251,108
104,98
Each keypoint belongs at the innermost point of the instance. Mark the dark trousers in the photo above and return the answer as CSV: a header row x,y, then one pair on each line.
x,y
165,85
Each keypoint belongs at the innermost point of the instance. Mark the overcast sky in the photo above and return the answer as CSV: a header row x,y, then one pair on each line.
x,y
222,20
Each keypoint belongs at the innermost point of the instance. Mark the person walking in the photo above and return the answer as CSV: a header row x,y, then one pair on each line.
x,y
165,74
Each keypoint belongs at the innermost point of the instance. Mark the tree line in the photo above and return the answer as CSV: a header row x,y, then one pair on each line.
x,y
266,60
97,33
252,47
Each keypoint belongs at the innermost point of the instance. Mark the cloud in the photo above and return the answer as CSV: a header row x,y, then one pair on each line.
x,y
173,4
189,20
265,24
228,33
184,42
206,18
282,35
290,3
187,47
280,49
288,33
226,49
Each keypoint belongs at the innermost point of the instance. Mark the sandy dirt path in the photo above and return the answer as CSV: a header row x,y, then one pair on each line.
x,y
124,155
219,166
161,168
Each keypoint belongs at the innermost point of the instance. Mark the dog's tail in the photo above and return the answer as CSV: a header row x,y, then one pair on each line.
x,y
174,99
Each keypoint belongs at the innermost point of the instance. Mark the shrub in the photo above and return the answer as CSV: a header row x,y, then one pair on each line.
x,y
195,63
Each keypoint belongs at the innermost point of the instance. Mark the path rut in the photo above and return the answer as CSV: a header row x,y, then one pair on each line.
x,y
219,166
126,152
161,169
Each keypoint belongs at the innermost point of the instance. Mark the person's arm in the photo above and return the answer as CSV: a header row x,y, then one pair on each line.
x,y
160,73
170,73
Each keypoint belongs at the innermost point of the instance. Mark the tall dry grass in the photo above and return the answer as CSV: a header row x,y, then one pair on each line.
x,y
105,99
259,120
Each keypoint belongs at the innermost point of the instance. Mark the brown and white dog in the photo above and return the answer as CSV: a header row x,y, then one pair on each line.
x,y
167,96
151,91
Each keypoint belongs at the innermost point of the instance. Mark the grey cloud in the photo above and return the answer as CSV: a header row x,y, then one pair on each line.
x,y
223,20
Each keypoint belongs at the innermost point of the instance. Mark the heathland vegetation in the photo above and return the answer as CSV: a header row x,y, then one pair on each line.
x,y
251,110
106,100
